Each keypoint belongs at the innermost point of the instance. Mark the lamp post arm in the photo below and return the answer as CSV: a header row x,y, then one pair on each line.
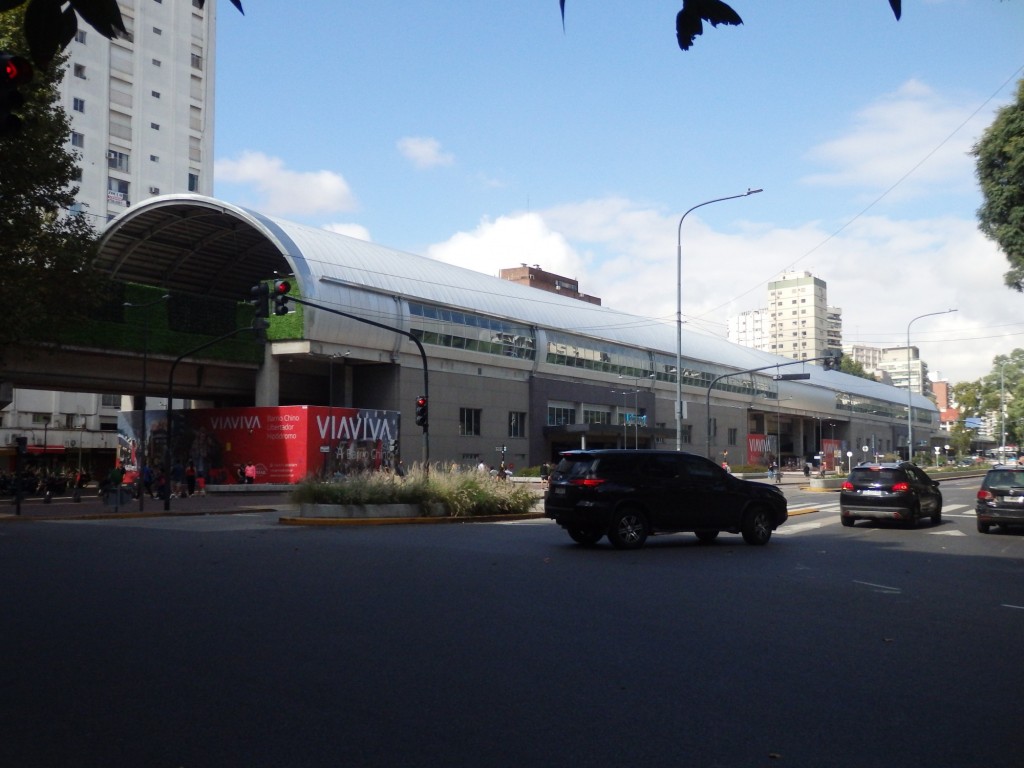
x,y
679,309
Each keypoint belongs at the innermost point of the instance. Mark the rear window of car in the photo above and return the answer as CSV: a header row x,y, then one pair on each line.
x,y
1005,478
883,476
575,466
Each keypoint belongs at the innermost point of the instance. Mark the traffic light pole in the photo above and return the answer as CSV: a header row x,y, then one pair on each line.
x,y
419,346
168,457
707,401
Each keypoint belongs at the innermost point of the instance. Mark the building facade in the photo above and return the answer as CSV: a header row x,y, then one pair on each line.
x,y
141,109
797,323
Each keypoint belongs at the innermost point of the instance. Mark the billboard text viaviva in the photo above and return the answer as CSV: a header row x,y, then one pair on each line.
x,y
286,443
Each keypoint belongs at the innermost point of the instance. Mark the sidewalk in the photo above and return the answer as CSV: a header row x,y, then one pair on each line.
x,y
91,507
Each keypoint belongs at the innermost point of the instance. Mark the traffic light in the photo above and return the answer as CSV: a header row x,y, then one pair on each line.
x,y
14,71
260,300
421,412
281,290
832,360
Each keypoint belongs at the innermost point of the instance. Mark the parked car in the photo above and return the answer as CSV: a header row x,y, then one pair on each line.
x,y
628,495
889,491
1001,497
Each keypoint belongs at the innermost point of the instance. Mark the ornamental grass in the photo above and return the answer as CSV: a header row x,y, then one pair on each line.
x,y
462,493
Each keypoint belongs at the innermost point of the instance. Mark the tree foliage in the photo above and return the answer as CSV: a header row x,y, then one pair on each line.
x,y
49,26
852,367
1002,386
1000,169
48,284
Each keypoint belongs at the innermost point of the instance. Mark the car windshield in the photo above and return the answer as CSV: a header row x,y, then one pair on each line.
x,y
1006,478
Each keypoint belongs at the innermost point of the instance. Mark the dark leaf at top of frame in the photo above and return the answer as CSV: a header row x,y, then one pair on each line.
x,y
48,30
895,5
690,20
102,15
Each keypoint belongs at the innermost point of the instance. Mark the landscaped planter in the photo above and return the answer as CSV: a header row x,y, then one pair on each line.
x,y
368,511
826,483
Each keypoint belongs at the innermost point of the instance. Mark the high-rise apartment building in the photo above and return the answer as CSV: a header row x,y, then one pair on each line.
x,y
141,109
797,323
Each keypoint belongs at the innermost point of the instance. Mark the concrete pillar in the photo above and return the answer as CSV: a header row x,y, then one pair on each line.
x,y
268,379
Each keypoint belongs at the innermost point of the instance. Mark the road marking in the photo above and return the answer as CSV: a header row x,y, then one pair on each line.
x,y
1016,607
946,533
880,587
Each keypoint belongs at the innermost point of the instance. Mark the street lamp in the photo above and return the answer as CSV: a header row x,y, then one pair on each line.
x,y
910,389
679,310
145,365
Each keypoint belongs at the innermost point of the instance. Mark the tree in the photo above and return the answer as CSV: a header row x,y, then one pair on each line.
x,y
690,20
852,367
48,283
49,27
1000,389
1000,169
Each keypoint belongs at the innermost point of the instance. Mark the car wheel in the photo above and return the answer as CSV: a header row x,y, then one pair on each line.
x,y
706,536
937,515
982,527
757,526
628,529
585,536
847,521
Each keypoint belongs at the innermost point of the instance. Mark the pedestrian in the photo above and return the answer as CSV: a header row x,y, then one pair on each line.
x,y
190,477
147,480
250,473
177,479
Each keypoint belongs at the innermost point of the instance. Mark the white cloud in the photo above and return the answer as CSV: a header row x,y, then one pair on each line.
x,y
279,191
913,132
424,152
882,272
508,242
358,231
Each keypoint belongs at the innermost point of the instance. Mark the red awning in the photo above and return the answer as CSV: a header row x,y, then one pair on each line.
x,y
38,449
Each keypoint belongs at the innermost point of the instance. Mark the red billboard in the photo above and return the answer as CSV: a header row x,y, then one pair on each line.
x,y
285,443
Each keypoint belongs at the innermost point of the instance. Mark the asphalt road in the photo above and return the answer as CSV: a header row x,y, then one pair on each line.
x,y
231,640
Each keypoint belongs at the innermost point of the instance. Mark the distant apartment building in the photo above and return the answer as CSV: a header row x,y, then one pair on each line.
x,y
905,368
797,323
535,277
141,109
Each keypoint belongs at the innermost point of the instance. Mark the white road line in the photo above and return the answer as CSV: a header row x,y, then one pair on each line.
x,y
946,533
880,587
1017,607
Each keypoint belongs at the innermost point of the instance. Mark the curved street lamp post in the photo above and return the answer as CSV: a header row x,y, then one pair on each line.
x,y
910,389
679,310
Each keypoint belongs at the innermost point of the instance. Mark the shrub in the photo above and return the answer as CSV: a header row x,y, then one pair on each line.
x,y
463,494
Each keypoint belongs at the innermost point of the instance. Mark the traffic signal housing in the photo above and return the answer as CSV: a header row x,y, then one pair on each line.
x,y
832,360
15,71
421,412
260,300
281,290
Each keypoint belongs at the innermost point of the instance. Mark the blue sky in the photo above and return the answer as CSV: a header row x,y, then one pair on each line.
x,y
482,135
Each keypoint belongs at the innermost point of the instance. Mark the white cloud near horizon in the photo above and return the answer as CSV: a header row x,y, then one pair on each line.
x,y
280,191
424,152
358,231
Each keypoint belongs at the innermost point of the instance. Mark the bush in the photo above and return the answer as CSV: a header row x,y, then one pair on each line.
x,y
463,494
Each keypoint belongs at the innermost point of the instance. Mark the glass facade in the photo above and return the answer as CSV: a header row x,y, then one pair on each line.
x,y
465,330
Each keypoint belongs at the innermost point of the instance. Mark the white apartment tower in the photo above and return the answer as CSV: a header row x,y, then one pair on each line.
x,y
797,323
142,107
141,110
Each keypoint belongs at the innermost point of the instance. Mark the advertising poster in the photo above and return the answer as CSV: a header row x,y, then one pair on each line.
x,y
760,449
285,443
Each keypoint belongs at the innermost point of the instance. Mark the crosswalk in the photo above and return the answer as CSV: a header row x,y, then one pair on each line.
x,y
952,510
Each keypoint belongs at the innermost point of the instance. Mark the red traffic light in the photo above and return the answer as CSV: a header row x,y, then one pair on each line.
x,y
17,70
282,287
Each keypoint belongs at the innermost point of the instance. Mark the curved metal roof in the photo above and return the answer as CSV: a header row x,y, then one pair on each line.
x,y
206,246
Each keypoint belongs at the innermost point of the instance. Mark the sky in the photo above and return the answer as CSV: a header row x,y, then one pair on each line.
x,y
483,135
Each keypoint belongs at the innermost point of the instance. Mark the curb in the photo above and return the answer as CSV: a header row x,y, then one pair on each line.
x,y
358,521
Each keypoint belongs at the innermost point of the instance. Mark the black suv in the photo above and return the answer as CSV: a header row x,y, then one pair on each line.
x,y
889,491
629,495
1001,497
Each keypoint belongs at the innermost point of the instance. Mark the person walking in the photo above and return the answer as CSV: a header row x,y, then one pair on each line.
x,y
250,473
190,477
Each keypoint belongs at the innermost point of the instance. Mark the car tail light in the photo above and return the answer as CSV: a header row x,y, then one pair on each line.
x,y
984,495
587,482
847,485
898,487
